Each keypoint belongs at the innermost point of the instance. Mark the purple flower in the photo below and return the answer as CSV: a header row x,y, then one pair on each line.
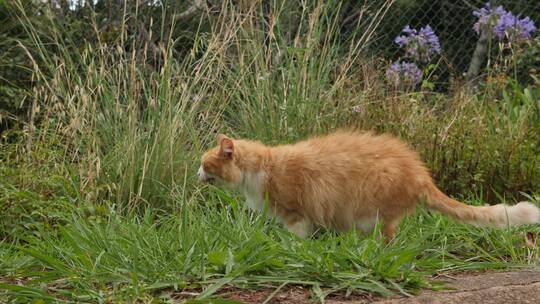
x,y
526,28
409,30
487,16
513,27
420,45
429,35
504,23
403,74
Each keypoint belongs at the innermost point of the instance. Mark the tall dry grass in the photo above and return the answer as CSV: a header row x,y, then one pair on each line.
x,y
135,132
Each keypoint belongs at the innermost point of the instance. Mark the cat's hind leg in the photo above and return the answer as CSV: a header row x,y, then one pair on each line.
x,y
302,228
366,224
388,228
296,223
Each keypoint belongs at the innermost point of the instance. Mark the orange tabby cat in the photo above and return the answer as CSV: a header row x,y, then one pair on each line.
x,y
342,181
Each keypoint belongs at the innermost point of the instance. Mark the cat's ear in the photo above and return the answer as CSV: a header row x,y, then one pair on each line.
x,y
226,146
220,137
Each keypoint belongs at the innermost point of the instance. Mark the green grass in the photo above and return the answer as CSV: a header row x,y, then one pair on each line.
x,y
88,252
98,194
205,246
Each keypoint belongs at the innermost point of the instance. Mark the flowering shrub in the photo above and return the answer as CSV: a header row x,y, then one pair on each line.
x,y
514,28
419,45
487,17
503,23
403,74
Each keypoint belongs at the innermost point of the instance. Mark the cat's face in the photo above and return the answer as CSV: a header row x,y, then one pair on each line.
x,y
218,165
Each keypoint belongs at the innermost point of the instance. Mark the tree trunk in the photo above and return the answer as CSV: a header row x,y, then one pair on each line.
x,y
479,54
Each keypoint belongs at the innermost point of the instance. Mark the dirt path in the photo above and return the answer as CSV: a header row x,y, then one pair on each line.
x,y
514,287
497,287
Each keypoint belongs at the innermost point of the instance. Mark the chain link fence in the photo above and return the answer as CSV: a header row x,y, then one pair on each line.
x,y
452,21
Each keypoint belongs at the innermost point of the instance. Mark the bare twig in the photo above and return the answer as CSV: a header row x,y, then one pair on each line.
x,y
190,12
146,36
193,9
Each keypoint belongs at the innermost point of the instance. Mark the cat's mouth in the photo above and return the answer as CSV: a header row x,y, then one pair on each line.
x,y
207,179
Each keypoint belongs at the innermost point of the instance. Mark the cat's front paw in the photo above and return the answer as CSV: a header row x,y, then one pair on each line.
x,y
302,228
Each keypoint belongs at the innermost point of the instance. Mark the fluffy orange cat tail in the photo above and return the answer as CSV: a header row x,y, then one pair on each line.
x,y
495,216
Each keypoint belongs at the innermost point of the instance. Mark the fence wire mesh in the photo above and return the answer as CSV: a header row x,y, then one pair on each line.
x,y
452,21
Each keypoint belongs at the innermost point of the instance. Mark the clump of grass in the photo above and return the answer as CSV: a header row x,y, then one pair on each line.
x,y
461,138
139,132
148,256
34,195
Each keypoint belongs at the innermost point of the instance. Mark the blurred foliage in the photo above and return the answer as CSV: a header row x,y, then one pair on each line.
x,y
15,75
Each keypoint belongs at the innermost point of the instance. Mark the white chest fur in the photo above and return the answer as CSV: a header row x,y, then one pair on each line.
x,y
253,189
